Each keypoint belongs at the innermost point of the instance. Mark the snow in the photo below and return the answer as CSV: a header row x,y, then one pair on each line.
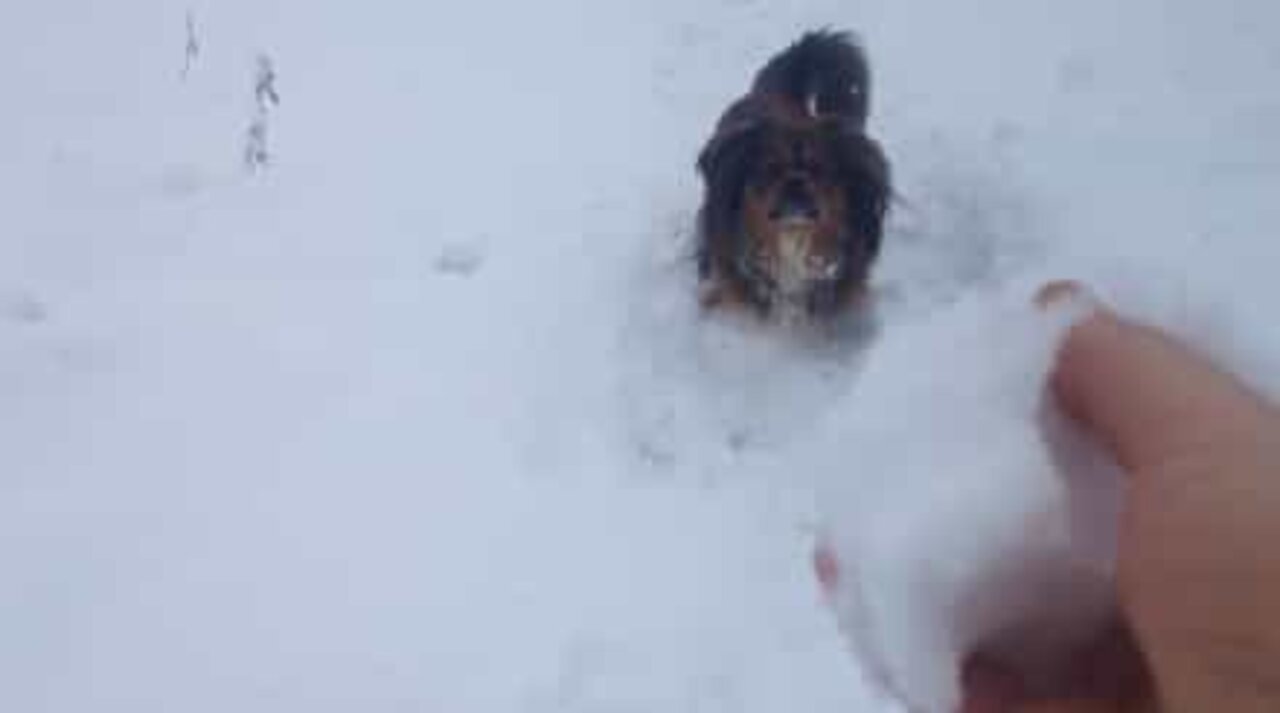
x,y
423,416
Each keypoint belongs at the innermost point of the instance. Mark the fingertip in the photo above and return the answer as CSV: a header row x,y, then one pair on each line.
x,y
1142,393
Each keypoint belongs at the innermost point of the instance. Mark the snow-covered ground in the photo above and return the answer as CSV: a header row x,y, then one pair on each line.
x,y
423,417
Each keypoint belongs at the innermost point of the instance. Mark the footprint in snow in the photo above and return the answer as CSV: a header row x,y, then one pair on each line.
x,y
181,181
459,260
1076,74
25,309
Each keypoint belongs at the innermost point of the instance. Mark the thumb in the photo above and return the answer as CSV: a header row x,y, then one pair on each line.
x,y
1147,397
1073,707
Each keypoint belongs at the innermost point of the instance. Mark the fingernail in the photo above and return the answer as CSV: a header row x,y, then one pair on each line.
x,y
1060,292
1069,295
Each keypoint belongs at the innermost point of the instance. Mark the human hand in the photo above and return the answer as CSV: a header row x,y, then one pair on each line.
x,y
1199,567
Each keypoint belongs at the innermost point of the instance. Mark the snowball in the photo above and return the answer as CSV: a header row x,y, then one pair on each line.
x,y
961,505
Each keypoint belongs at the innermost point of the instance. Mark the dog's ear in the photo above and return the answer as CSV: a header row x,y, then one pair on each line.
x,y
868,178
729,148
724,165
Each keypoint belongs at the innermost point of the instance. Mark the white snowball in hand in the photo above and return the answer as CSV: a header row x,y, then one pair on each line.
x,y
961,508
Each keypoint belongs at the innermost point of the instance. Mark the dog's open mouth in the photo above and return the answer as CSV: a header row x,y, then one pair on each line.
x,y
797,226
796,206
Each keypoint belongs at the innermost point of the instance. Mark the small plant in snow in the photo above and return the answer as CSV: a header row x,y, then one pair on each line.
x,y
193,45
264,88
265,98
256,156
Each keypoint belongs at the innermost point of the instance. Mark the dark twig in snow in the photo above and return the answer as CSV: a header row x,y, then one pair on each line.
x,y
193,45
265,98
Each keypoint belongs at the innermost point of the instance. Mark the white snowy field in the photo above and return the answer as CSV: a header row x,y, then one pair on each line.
x,y
423,416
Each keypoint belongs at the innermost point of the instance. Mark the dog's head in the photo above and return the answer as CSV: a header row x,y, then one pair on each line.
x,y
794,209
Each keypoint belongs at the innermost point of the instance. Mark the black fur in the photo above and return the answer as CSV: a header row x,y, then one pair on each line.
x,y
824,66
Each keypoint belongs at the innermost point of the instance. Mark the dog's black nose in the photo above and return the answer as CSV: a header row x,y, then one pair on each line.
x,y
795,201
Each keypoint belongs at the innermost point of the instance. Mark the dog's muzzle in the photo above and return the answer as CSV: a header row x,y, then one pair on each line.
x,y
792,277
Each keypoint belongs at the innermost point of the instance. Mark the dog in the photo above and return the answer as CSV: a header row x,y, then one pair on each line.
x,y
796,192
